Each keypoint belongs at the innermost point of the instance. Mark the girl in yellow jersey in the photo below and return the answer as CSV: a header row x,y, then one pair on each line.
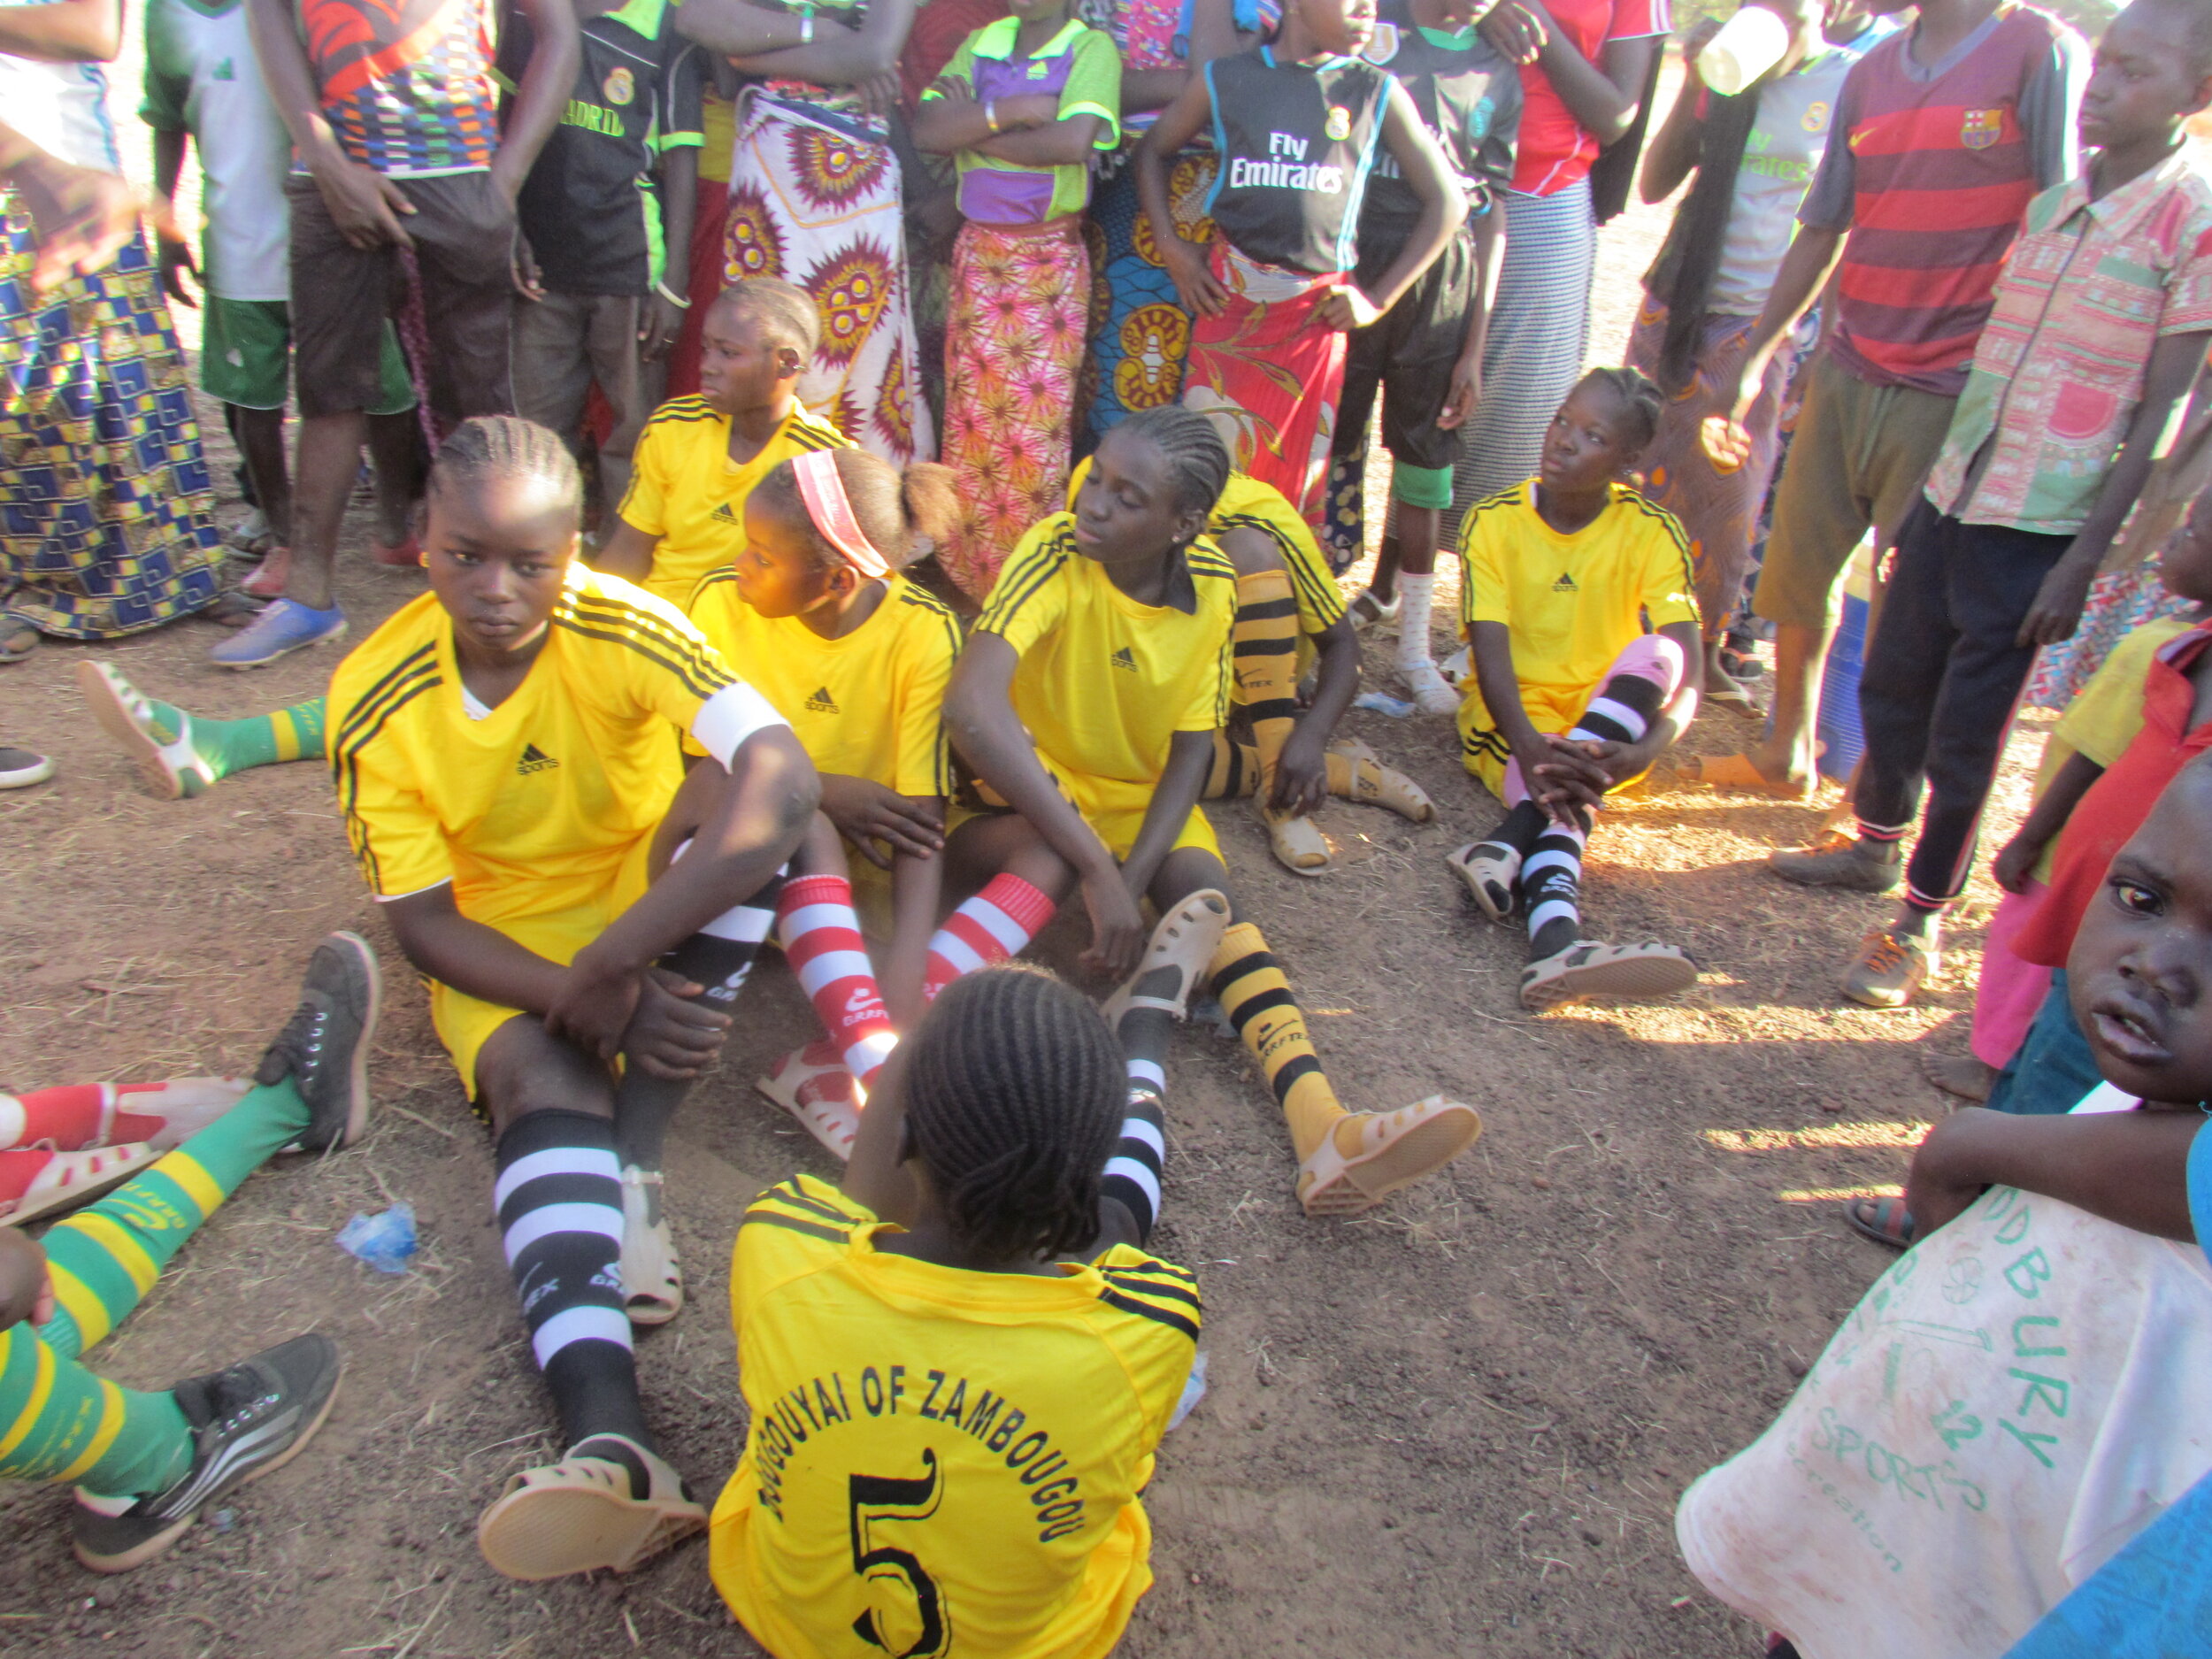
x,y
958,1367
1089,699
503,756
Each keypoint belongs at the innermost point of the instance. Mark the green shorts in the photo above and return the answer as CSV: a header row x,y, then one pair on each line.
x,y
246,358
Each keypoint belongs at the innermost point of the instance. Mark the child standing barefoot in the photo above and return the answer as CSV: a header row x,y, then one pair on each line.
x,y
1571,697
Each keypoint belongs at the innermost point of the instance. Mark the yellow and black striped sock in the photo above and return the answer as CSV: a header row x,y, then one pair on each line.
x,y
1266,650
1256,994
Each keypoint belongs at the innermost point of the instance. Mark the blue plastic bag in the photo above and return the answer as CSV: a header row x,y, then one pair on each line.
x,y
384,1240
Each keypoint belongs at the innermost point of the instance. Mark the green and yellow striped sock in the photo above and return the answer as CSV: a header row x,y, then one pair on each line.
x,y
104,1259
262,739
62,1423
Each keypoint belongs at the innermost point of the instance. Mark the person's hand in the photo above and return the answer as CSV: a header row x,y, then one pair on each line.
x,y
1348,307
1513,32
1579,772
1692,43
80,218
1463,396
594,1005
507,175
25,1290
657,328
865,812
2058,604
1116,926
2014,861
1195,285
1027,110
365,205
880,92
1533,753
1302,773
522,270
175,255
1944,1176
670,1035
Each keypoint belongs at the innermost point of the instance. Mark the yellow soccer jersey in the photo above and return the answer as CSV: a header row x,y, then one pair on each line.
x,y
1572,603
1105,683
869,706
685,489
941,1462
530,810
1246,503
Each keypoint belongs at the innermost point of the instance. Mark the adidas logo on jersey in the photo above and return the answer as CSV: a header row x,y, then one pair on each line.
x,y
724,514
1123,659
1565,585
821,702
534,759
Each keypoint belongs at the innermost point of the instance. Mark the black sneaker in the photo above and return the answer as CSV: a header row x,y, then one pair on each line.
x,y
324,1047
247,1419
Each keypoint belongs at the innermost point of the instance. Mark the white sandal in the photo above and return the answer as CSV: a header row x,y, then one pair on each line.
x,y
806,1084
579,1516
1396,1149
1490,870
1297,842
1373,784
1432,693
1186,940
69,1179
1590,967
652,1280
1366,611
172,768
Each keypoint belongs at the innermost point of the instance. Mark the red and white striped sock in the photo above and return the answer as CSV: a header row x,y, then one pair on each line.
x,y
822,942
986,931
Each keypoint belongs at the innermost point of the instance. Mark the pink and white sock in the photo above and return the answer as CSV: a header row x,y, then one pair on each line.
x,y
822,942
988,929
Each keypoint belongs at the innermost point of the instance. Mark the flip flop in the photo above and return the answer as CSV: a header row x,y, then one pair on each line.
x,y
652,1282
1736,700
1737,774
806,1084
1884,1220
1298,844
1589,967
1373,784
1489,870
20,768
18,638
1186,940
1395,1150
579,1516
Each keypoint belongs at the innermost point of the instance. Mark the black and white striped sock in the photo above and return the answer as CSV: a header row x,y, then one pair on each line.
x,y
560,1197
1132,1174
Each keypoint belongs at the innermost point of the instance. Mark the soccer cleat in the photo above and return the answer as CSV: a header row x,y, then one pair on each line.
x,y
1842,861
1491,870
586,1513
1392,1149
247,1419
37,1181
324,1047
165,758
1890,968
285,626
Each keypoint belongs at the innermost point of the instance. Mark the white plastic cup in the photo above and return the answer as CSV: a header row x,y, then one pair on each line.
x,y
1746,46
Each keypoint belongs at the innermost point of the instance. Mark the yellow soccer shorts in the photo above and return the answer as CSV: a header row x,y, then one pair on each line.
x,y
465,1023
1114,807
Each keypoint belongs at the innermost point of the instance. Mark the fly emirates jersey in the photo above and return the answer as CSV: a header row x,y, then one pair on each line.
x,y
1297,142
942,1463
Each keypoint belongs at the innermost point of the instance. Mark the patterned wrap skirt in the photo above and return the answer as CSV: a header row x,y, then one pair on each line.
x,y
1140,332
107,513
814,199
1269,372
1013,345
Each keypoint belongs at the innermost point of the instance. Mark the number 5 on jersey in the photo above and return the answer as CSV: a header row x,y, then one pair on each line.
x,y
877,1500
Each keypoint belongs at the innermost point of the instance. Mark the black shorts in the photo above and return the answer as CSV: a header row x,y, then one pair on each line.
x,y
464,234
1409,354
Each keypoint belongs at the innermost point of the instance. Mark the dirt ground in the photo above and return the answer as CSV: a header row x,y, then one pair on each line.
x,y
1457,1426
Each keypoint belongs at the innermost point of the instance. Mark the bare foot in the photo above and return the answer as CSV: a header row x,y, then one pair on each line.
x,y
1960,1074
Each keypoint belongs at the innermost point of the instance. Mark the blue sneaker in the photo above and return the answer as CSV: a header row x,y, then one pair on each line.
x,y
284,627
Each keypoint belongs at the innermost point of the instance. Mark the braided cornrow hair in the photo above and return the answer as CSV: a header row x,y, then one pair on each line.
x,y
1638,396
507,446
1197,460
1014,1090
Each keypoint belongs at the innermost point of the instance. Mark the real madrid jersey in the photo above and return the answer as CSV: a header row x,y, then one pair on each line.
x,y
1297,142
868,705
1105,683
685,489
531,808
940,1461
